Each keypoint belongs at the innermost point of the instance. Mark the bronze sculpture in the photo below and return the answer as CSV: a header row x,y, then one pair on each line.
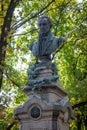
x,y
46,43
43,49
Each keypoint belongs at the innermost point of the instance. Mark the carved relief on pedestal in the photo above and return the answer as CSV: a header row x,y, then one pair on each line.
x,y
63,114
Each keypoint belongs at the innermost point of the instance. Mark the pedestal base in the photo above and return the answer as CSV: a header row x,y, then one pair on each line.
x,y
49,110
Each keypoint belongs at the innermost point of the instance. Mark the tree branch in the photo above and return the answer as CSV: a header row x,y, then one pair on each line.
x,y
80,104
19,24
12,81
10,126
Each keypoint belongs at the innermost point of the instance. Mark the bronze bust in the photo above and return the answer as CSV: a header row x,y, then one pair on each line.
x,y
43,49
46,43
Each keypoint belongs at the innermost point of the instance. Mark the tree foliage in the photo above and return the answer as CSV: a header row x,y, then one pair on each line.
x,y
18,29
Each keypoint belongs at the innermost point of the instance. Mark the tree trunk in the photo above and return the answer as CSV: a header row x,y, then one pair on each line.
x,y
4,35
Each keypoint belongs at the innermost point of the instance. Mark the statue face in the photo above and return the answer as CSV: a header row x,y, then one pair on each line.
x,y
44,25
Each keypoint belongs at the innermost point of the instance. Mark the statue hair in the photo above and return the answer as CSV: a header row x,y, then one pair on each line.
x,y
49,20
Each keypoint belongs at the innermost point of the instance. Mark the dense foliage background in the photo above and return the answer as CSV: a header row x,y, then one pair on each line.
x,y
18,29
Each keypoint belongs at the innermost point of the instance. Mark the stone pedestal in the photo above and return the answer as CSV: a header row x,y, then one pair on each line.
x,y
47,108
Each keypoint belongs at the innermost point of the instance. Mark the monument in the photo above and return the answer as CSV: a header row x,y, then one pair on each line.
x,y
47,107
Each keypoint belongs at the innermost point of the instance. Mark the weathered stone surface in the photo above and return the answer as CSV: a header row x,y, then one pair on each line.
x,y
51,110
47,107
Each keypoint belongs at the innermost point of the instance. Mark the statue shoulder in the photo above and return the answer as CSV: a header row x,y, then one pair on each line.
x,y
59,39
32,45
55,39
62,39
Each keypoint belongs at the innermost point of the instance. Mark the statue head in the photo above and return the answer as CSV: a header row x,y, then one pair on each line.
x,y
44,24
